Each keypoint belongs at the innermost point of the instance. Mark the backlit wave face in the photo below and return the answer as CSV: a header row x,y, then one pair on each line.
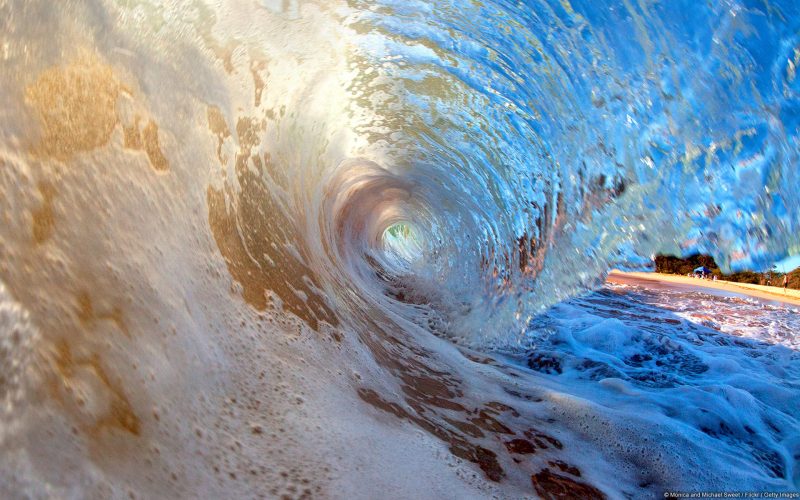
x,y
239,237
609,132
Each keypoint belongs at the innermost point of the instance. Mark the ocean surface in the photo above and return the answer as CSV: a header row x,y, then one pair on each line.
x,y
357,249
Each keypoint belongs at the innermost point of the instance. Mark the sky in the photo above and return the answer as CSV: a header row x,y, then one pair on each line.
x,y
788,264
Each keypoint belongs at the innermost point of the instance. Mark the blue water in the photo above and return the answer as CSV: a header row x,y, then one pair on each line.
x,y
358,249
721,372
611,130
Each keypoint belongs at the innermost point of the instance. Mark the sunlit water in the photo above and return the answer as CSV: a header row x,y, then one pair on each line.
x,y
322,248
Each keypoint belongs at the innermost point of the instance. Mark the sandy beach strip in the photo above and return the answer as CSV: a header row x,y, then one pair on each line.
x,y
673,280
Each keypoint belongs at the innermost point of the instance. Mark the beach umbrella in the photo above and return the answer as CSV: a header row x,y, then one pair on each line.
x,y
702,270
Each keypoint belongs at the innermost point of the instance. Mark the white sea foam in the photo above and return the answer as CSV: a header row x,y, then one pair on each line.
x,y
690,386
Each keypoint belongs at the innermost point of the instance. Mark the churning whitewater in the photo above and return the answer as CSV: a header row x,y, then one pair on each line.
x,y
346,249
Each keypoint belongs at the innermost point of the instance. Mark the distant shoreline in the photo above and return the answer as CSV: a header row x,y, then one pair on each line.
x,y
758,291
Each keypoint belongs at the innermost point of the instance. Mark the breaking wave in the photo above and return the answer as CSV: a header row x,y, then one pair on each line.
x,y
300,248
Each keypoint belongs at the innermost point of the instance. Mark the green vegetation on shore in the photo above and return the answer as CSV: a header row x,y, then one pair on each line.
x,y
669,264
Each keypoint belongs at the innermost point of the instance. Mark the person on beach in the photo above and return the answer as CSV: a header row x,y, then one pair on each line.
x,y
785,282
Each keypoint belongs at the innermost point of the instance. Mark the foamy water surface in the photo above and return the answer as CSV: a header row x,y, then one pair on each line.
x,y
716,376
